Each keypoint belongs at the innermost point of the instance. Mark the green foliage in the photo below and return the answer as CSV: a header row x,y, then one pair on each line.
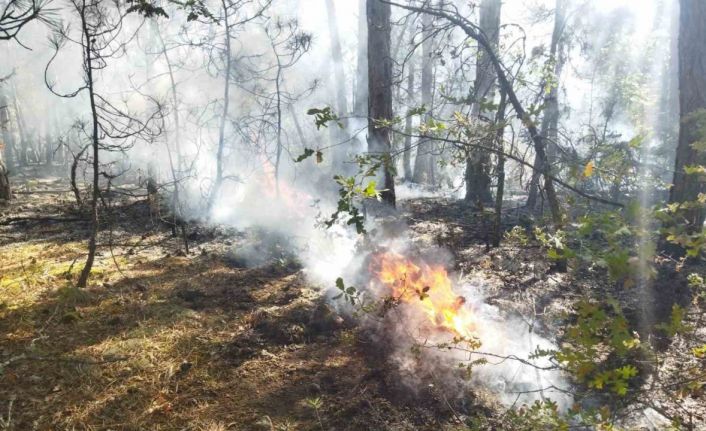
x,y
555,244
541,415
358,187
517,235
598,347
315,403
308,152
676,324
324,116
350,293
698,286
195,9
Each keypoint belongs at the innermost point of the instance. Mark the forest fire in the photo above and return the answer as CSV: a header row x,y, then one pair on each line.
x,y
427,287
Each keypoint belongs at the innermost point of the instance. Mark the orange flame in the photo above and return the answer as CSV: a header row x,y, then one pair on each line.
x,y
427,287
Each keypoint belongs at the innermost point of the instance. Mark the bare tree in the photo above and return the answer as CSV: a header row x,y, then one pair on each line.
x,y
18,13
234,14
102,38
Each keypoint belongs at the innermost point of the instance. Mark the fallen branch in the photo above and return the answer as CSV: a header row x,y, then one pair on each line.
x,y
18,220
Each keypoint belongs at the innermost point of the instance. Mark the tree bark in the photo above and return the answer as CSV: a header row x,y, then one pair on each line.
x,y
692,102
478,163
380,91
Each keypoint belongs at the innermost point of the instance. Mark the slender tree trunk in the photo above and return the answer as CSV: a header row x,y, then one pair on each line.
x,y
360,106
22,129
178,169
500,143
278,154
424,160
5,149
340,152
550,120
95,192
380,90
224,115
478,162
692,101
74,168
407,155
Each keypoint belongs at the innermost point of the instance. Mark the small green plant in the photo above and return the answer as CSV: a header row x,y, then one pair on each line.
x,y
316,404
517,235
598,347
348,293
676,324
698,286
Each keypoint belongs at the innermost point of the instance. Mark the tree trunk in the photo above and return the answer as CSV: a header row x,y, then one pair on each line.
x,y
478,162
95,192
380,90
407,154
5,149
175,170
500,143
22,129
340,152
550,120
692,102
224,116
360,107
424,160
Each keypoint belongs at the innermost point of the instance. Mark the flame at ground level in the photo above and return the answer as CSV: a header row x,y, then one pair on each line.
x,y
427,287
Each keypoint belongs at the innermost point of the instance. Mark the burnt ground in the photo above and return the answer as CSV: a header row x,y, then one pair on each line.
x,y
168,340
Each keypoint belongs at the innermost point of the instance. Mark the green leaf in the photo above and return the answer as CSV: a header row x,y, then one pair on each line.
x,y
308,152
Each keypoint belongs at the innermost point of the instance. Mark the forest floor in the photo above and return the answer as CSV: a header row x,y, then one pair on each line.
x,y
165,340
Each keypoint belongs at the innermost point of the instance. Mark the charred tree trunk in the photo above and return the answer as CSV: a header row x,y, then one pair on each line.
x,y
407,154
692,102
550,120
380,91
478,162
423,163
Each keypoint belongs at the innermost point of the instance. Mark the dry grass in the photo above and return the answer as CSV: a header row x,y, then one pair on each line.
x,y
162,342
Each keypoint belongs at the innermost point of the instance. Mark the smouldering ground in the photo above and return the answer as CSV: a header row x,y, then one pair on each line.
x,y
166,341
